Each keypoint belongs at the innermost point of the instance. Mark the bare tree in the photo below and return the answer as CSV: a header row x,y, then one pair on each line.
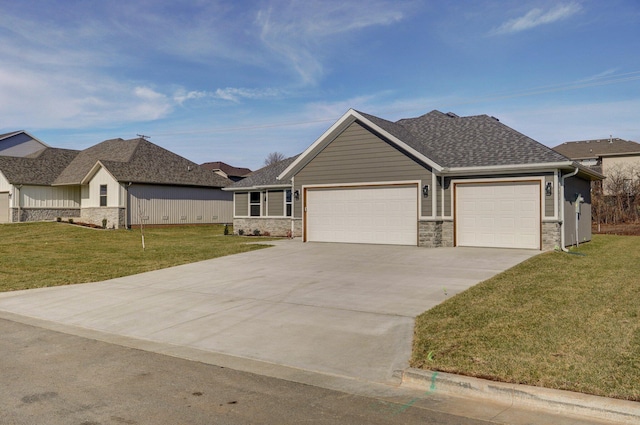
x,y
273,157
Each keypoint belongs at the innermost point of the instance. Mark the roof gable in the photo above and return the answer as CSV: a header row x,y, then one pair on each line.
x,y
265,176
444,142
229,170
20,143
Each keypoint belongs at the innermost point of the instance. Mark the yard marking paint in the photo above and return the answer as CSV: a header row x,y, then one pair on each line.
x,y
431,389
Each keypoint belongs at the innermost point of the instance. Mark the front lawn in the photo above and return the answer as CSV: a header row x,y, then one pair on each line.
x,y
34,255
558,320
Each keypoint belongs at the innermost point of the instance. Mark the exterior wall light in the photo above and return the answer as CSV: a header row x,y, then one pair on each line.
x,y
296,194
548,189
425,190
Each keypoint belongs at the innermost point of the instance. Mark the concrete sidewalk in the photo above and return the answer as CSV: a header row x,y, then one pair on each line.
x,y
338,309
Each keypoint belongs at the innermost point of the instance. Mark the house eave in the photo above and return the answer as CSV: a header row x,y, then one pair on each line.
x,y
257,187
523,168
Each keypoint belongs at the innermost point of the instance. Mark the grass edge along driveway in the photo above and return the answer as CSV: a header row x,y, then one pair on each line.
x,y
563,321
34,255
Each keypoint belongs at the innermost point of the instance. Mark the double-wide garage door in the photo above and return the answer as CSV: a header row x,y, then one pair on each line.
x,y
500,215
376,215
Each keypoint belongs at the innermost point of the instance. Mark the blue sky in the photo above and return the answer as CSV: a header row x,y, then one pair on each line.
x,y
234,80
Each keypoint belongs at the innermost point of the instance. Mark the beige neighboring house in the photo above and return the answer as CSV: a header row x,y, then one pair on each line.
x,y
603,155
126,182
438,180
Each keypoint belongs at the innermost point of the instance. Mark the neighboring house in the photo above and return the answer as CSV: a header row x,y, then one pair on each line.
x,y
604,155
126,182
20,143
227,171
436,180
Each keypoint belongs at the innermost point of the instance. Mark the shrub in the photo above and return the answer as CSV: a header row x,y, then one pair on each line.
x,y
104,223
226,229
241,232
256,232
58,219
70,221
266,233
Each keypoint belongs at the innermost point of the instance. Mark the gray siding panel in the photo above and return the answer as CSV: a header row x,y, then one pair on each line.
x,y
241,201
275,203
154,204
548,200
573,186
359,156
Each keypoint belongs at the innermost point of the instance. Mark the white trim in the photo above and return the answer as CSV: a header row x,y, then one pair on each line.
x,y
434,197
556,195
534,168
349,117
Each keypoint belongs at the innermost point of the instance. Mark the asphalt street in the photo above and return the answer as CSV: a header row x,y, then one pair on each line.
x,y
54,378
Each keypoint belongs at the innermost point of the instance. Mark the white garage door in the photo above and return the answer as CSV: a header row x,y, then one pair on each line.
x,y
380,215
505,215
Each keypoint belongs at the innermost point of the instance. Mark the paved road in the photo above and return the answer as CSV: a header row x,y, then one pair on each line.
x,y
54,378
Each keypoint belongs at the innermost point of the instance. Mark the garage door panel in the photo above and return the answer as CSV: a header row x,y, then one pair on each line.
x,y
498,215
386,215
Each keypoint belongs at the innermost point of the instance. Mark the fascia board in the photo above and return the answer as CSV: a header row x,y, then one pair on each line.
x,y
351,116
258,187
546,166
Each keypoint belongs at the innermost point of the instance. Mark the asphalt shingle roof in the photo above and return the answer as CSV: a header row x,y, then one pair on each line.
x,y
41,168
139,161
229,170
452,141
265,176
584,149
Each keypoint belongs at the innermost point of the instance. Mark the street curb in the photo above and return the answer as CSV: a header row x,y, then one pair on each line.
x,y
524,396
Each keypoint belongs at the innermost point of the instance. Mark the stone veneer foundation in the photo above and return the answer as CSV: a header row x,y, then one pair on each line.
x,y
550,235
275,226
42,214
115,216
435,234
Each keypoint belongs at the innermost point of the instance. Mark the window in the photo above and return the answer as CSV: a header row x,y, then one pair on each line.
x,y
288,205
103,195
254,204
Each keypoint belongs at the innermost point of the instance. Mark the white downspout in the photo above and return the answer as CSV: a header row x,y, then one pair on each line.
x,y
562,178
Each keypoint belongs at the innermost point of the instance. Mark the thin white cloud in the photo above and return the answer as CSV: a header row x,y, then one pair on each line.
x,y
298,31
236,94
537,17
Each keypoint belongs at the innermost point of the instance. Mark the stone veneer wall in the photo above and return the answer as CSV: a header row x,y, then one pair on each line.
x,y
550,235
435,234
42,214
115,216
275,226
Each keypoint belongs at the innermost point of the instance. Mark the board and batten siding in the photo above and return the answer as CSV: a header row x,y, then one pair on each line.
x,y
20,145
5,186
358,155
91,192
549,210
159,204
50,197
575,185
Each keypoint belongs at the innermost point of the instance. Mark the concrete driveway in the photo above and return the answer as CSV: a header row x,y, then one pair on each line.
x,y
337,309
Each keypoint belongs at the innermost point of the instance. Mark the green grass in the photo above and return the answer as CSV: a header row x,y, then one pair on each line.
x,y
34,255
557,320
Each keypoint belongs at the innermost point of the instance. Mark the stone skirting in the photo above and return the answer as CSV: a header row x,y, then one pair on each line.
x,y
435,234
115,216
550,235
280,227
42,214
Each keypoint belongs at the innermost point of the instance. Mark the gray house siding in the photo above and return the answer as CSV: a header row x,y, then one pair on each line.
x,y
574,186
359,156
157,204
241,201
275,203
548,199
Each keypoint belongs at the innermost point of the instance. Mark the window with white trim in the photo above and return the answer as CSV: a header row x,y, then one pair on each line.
x,y
254,204
103,195
288,203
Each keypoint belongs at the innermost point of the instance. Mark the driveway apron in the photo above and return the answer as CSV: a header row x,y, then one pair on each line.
x,y
337,309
